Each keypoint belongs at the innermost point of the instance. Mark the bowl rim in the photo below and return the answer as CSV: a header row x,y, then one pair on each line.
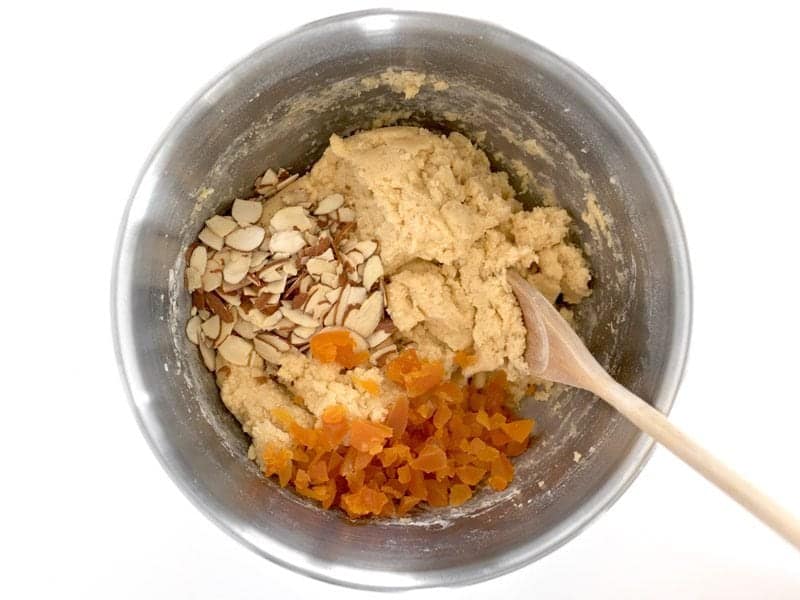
x,y
611,490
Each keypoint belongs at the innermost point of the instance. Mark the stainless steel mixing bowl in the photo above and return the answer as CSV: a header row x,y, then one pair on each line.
x,y
277,107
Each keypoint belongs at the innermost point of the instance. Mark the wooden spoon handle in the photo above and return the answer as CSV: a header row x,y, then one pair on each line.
x,y
655,424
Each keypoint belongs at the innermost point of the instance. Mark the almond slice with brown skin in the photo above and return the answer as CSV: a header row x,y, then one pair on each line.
x,y
209,356
304,332
217,306
355,258
245,329
194,279
276,287
246,212
366,247
373,271
211,327
193,329
225,329
257,259
236,350
299,317
291,218
199,259
220,225
276,341
318,266
329,204
269,178
289,242
211,280
379,356
330,279
211,239
287,182
236,267
364,320
245,239
378,337
267,351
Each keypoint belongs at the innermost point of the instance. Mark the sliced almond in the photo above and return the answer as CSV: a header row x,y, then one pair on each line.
x,y
346,214
342,305
304,332
357,295
333,295
211,327
211,239
199,259
267,351
276,287
260,319
287,182
315,296
329,204
330,317
366,247
218,307
305,284
355,258
379,356
246,212
269,178
289,242
233,298
378,337
364,320
220,225
245,329
373,271
194,280
290,268
276,341
245,239
328,255
225,329
236,267
291,218
212,280
257,259
193,328
318,266
271,274
299,317
331,280
320,310
209,357
236,350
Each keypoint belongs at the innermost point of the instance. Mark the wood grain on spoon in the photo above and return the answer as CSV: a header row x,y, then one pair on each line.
x,y
555,352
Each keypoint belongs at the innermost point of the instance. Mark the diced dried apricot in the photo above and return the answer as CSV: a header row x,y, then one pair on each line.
x,y
431,458
437,492
519,431
337,346
318,472
470,475
404,474
442,416
370,386
459,493
406,504
363,502
397,418
367,436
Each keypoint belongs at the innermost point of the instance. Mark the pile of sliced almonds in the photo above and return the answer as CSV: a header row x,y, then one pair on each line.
x,y
265,287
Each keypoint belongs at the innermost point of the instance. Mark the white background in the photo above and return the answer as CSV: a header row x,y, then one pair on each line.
x,y
87,89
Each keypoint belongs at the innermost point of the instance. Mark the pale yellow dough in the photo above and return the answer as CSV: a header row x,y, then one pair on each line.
x,y
448,229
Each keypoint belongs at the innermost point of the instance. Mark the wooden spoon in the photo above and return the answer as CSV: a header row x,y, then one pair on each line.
x,y
556,353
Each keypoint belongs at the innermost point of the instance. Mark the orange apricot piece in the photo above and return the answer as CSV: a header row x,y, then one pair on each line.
x,y
519,431
397,418
464,359
367,436
337,346
459,493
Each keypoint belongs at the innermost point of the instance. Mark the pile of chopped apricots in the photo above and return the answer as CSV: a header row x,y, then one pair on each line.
x,y
440,441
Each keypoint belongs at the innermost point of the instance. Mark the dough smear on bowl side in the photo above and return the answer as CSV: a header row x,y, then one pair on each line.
x,y
359,322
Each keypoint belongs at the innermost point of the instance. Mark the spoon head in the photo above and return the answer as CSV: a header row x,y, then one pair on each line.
x,y
537,353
